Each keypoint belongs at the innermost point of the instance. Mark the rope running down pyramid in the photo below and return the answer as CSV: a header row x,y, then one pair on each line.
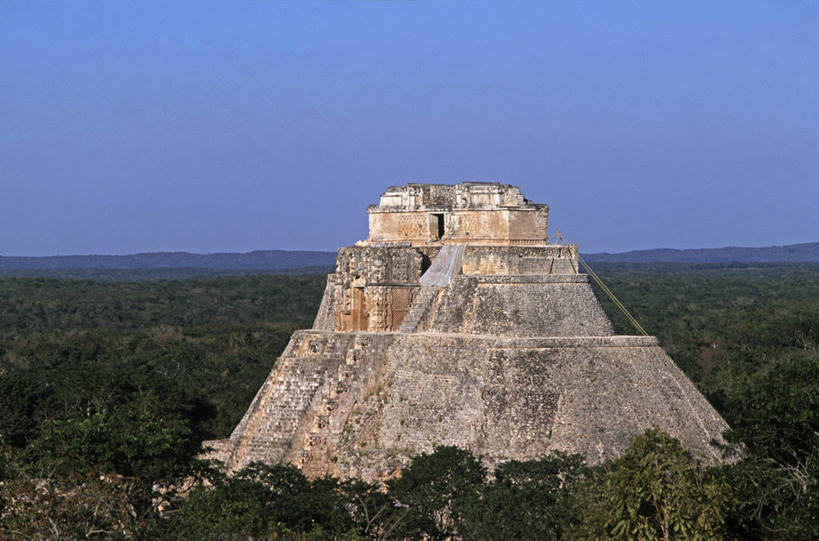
x,y
608,292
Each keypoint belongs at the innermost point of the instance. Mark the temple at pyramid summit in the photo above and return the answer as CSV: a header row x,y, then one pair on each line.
x,y
456,323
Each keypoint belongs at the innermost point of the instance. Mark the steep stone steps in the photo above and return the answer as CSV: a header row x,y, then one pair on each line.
x,y
279,410
336,386
420,305
307,343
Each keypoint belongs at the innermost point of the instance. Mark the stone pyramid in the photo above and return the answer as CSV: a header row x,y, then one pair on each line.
x,y
456,323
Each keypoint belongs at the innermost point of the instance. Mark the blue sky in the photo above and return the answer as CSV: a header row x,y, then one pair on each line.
x,y
235,126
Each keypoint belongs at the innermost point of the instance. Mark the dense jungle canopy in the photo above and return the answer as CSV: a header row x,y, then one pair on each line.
x,y
108,387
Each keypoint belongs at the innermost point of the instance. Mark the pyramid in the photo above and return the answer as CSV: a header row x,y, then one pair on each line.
x,y
456,323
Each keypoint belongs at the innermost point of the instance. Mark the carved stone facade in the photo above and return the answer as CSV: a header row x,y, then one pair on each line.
x,y
512,358
466,213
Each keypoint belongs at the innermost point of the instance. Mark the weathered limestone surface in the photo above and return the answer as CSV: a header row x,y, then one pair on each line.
x,y
513,359
554,306
516,260
386,397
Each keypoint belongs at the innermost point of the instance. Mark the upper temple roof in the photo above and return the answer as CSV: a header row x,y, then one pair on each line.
x,y
465,213
465,195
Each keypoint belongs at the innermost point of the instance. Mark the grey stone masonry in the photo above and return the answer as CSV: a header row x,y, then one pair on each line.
x,y
512,359
418,309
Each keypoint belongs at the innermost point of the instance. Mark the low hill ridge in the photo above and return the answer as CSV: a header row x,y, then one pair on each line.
x,y
256,260
793,253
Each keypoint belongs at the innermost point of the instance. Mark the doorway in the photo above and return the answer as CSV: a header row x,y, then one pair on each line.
x,y
437,227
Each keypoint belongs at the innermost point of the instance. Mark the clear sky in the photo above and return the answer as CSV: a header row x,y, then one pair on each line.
x,y
236,126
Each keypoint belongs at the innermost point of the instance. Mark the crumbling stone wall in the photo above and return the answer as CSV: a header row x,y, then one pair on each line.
x,y
515,260
372,288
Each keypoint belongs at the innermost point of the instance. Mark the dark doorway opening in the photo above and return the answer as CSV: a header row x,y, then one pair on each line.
x,y
425,263
438,225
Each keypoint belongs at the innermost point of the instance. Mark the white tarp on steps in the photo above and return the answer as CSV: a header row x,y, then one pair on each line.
x,y
446,264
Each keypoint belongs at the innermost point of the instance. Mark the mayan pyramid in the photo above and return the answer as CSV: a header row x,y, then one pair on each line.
x,y
456,323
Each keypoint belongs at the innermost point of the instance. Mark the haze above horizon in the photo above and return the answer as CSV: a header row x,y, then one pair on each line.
x,y
230,127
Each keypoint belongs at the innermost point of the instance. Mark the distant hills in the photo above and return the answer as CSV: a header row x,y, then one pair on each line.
x,y
179,265
793,253
269,260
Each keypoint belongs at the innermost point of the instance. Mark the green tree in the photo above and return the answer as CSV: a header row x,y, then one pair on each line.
x,y
656,490
774,410
774,414
20,397
774,500
260,501
527,500
432,490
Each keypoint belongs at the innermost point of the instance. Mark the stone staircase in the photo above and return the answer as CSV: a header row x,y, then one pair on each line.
x,y
420,305
281,404
446,264
344,376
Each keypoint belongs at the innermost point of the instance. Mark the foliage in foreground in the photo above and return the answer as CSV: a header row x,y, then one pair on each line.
x,y
656,490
